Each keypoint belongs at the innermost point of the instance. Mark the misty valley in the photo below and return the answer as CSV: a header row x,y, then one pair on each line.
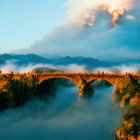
x,y
53,109
60,114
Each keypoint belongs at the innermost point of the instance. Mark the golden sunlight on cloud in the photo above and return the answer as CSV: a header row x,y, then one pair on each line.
x,y
83,12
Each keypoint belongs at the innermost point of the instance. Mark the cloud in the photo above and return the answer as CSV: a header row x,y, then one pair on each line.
x,y
83,12
120,69
100,41
10,66
130,17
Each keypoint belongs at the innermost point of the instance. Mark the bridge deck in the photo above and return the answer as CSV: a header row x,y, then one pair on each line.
x,y
74,74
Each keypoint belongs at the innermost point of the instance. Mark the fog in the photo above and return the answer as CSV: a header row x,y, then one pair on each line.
x,y
10,66
120,69
63,116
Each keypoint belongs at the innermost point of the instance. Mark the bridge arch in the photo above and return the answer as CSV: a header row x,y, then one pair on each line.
x,y
109,80
88,89
49,78
102,80
51,84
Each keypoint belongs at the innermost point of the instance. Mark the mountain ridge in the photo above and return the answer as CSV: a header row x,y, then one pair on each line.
x,y
26,59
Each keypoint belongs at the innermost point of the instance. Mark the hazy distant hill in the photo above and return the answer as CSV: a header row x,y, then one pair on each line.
x,y
130,61
20,59
23,59
79,60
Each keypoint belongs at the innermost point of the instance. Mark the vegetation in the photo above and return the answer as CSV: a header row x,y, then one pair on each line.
x,y
130,128
125,90
128,93
44,70
16,92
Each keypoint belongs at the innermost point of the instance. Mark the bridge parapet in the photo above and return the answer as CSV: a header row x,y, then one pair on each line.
x,y
80,79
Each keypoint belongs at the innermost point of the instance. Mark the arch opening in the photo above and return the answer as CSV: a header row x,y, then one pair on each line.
x,y
94,85
49,87
100,83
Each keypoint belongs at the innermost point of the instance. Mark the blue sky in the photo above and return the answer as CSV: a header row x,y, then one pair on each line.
x,y
24,21
50,27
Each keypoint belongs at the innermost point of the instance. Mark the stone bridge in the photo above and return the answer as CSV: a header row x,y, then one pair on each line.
x,y
82,80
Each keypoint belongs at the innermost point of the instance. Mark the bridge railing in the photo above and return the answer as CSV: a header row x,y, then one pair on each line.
x,y
74,74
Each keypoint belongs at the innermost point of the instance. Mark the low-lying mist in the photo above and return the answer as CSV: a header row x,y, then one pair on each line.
x,y
10,66
63,116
